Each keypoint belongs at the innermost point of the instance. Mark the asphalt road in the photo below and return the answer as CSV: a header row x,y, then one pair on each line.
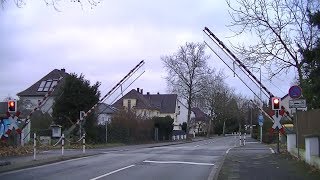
x,y
194,161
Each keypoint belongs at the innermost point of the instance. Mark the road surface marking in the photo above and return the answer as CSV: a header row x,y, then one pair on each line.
x,y
252,142
228,150
46,165
179,162
197,146
112,172
272,151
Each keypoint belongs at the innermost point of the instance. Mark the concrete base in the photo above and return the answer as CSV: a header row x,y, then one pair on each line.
x,y
291,142
312,148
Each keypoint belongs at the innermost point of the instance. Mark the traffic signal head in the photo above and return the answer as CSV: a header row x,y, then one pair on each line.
x,y
276,103
12,106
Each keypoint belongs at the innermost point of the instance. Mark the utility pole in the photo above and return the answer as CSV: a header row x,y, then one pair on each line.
x,y
251,128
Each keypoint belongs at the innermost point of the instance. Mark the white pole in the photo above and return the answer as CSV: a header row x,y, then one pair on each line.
x,y
62,145
261,134
240,139
34,146
84,143
244,139
106,131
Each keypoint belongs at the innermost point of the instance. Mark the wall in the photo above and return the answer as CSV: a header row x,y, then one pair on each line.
x,y
32,102
133,102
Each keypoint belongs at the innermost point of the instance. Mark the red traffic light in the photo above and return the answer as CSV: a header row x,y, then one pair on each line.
x,y
12,106
276,103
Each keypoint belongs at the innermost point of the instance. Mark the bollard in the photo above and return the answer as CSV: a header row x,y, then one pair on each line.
x,y
62,145
240,139
34,146
244,139
84,143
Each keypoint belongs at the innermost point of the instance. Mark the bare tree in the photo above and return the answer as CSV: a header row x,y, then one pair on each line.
x,y
282,28
210,96
185,70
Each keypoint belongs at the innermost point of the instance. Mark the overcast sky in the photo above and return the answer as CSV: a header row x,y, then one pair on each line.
x,y
105,42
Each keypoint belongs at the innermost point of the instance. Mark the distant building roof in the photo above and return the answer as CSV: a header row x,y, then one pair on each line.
x,y
104,108
199,115
41,87
165,103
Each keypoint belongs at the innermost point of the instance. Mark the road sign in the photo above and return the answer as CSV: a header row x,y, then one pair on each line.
x,y
295,92
276,122
298,103
260,120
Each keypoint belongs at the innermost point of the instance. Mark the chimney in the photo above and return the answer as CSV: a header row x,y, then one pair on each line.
x,y
141,91
138,90
148,93
63,70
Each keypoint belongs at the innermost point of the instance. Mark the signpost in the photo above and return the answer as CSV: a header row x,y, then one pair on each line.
x,y
260,120
297,103
295,92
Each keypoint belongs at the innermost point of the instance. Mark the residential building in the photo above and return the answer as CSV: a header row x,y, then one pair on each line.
x,y
200,121
151,105
31,96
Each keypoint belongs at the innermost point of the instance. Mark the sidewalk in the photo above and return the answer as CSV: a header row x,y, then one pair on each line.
x,y
51,156
258,161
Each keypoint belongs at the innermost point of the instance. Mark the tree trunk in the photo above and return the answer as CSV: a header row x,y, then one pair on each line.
x,y
189,114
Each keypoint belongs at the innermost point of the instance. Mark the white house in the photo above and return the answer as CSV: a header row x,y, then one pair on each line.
x,y
104,113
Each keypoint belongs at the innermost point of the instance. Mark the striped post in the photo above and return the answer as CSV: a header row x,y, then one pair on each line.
x,y
62,145
34,146
240,139
84,143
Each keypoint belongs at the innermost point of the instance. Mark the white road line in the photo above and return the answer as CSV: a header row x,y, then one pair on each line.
x,y
179,162
197,146
46,165
112,172
272,151
252,142
228,150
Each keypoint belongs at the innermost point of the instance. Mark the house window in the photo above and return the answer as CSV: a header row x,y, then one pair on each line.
x,y
129,104
47,85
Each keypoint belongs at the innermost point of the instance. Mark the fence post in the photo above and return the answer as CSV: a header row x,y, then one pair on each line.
x,y
34,146
62,145
84,143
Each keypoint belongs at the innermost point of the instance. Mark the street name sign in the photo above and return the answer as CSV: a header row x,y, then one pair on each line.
x,y
298,103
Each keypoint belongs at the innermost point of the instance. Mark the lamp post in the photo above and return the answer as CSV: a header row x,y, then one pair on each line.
x,y
261,103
